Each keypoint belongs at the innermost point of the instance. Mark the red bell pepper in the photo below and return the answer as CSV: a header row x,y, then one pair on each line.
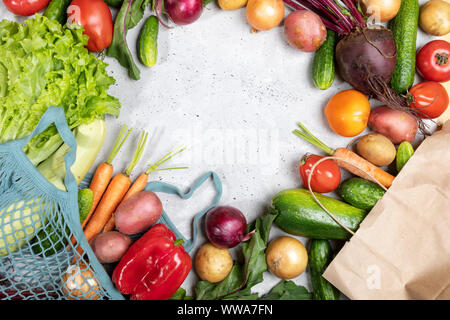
x,y
154,267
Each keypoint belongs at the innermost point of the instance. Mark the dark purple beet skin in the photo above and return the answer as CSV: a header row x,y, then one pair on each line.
x,y
226,227
360,54
183,12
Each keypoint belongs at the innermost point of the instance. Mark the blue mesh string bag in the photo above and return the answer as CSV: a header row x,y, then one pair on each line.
x,y
44,254
35,216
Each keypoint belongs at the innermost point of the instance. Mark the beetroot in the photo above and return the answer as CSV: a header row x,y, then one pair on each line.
x,y
357,59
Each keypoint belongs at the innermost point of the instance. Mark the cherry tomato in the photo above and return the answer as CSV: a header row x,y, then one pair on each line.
x,y
348,112
326,176
25,7
433,61
430,98
96,18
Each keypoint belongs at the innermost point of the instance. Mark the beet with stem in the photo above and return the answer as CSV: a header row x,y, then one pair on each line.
x,y
365,57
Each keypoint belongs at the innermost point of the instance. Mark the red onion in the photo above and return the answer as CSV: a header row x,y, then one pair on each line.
x,y
181,12
226,227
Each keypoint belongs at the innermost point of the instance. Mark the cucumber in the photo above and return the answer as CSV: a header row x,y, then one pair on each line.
x,y
299,214
323,68
360,193
147,42
404,29
404,152
85,200
57,10
49,241
320,256
114,3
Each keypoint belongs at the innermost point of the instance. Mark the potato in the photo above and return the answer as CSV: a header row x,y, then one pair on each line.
x,y
377,149
286,257
138,213
213,264
397,126
110,246
232,4
434,17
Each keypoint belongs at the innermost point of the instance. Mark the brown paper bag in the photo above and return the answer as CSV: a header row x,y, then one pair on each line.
x,y
402,248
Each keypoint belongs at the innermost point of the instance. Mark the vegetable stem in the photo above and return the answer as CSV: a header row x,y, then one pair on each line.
x,y
308,136
155,167
120,140
138,153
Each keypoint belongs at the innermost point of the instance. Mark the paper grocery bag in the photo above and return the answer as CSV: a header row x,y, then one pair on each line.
x,y
402,248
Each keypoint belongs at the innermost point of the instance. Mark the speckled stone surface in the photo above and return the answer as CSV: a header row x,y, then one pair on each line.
x,y
232,98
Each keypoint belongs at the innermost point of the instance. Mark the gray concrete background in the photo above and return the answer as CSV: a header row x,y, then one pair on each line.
x,y
232,98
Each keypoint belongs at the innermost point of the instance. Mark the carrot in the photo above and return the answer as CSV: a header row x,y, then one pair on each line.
x,y
140,183
104,172
350,160
114,194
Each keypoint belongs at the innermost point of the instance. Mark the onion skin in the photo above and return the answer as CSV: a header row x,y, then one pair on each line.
x,y
264,14
226,227
386,9
357,59
183,12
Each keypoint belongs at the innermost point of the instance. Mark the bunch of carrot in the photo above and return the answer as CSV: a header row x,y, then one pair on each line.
x,y
109,191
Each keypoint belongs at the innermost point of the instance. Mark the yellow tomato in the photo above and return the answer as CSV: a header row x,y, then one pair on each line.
x,y
232,4
348,112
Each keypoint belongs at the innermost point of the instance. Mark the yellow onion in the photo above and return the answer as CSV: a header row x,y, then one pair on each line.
x,y
384,10
265,14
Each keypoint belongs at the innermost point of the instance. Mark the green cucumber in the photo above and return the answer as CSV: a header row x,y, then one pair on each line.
x,y
49,241
320,256
57,10
360,193
147,42
404,28
323,68
85,200
404,152
114,3
299,214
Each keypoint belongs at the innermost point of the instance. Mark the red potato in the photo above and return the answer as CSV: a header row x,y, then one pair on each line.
x,y
396,125
304,30
110,246
138,213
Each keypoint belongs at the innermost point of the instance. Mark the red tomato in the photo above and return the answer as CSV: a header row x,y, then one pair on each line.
x,y
430,98
433,61
25,7
96,18
326,176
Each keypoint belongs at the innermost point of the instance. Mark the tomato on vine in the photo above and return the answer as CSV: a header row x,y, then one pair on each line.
x,y
326,176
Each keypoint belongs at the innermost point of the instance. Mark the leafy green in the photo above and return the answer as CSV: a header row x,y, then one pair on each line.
x,y
238,284
287,290
129,15
43,63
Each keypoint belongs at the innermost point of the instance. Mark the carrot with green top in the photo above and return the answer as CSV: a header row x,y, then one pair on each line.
x,y
104,172
140,183
349,160
114,194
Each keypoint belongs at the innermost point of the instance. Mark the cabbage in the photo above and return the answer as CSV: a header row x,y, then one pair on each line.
x,y
43,63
